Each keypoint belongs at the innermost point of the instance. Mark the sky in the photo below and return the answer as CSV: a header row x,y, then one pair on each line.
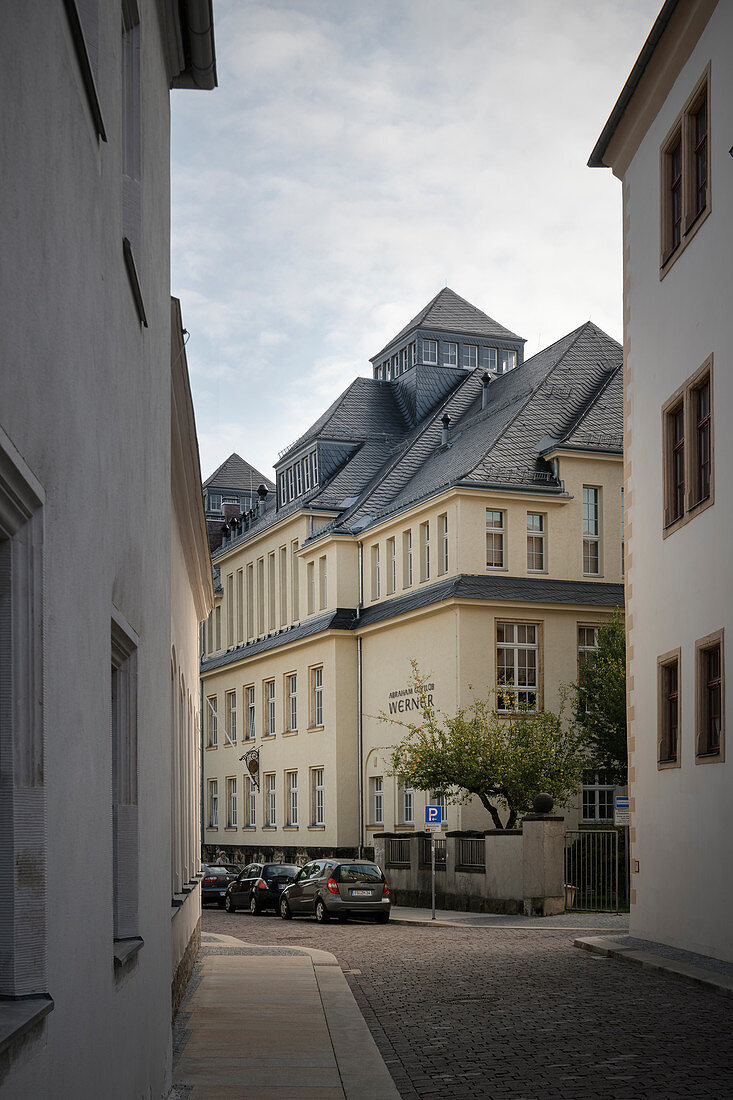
x,y
358,157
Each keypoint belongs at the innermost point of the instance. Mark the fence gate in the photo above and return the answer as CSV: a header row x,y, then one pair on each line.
x,y
595,870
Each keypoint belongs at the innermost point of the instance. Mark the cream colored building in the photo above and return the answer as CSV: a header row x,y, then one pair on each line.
x,y
668,140
465,517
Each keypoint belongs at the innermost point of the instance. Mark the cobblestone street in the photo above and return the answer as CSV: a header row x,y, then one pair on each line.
x,y
485,1012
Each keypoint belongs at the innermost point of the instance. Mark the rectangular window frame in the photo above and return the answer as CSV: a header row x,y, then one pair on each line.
x,y
496,539
376,799
450,353
269,714
318,798
212,722
269,784
231,799
538,647
391,566
407,563
470,356
291,700
669,736
692,214
592,539
537,543
376,579
430,352
686,399
230,709
704,754
212,802
316,692
249,695
443,547
291,798
424,551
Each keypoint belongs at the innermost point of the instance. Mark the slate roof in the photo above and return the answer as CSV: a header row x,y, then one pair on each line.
x,y
365,409
448,312
569,395
235,473
463,587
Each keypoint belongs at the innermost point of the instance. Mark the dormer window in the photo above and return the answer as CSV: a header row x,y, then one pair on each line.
x,y
430,352
413,353
378,373
395,365
298,479
405,360
307,473
214,502
508,360
450,354
488,359
470,356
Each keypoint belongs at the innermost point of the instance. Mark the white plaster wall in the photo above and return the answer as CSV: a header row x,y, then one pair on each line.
x,y
681,588
85,397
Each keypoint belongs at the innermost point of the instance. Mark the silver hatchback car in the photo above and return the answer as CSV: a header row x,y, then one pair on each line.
x,y
337,887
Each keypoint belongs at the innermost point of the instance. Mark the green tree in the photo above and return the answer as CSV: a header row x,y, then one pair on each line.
x,y
504,760
601,699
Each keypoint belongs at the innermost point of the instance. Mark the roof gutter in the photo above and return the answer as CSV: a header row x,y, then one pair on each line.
x,y
197,30
627,92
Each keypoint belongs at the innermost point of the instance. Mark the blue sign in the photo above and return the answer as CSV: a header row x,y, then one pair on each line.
x,y
622,801
433,815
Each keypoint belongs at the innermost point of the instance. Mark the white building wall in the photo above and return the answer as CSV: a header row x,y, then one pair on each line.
x,y
681,587
85,398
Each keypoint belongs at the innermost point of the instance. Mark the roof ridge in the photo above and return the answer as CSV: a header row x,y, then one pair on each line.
x,y
404,448
605,382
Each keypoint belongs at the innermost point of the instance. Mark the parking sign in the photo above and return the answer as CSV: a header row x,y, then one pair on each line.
x,y
433,815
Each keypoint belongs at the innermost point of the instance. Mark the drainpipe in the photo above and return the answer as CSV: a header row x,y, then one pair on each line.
x,y
359,723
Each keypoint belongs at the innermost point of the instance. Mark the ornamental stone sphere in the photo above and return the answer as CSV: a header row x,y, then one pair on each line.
x,y
542,803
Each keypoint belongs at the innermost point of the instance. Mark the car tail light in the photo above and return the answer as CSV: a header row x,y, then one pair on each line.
x,y
385,891
209,881
333,886
262,884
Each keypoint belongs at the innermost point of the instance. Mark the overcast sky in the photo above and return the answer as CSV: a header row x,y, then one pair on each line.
x,y
357,157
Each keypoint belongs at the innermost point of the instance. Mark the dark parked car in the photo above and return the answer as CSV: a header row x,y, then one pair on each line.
x,y
337,887
217,877
258,886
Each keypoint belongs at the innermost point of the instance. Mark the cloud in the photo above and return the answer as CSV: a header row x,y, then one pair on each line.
x,y
355,159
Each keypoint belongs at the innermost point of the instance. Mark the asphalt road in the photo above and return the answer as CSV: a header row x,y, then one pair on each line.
x,y
488,1012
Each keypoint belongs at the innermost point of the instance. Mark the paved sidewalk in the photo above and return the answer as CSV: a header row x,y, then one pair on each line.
x,y
571,921
273,1022
661,957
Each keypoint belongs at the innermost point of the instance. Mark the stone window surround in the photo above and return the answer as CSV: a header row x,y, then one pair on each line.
x,y
684,396
673,657
24,1000
702,645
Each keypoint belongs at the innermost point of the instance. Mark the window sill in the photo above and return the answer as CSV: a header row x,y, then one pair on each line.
x,y
688,515
497,568
230,828
20,1014
249,828
379,825
465,869
314,729
212,828
269,736
667,765
290,828
125,950
132,275
716,757
269,828
290,733
211,748
593,576
405,828
316,828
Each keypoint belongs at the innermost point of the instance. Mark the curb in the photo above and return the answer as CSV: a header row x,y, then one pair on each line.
x,y
364,1075
438,923
612,949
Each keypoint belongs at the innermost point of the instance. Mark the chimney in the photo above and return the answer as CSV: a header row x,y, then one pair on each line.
x,y
229,509
445,421
485,383
262,497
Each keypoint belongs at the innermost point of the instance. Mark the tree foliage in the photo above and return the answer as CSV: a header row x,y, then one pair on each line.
x,y
504,760
601,699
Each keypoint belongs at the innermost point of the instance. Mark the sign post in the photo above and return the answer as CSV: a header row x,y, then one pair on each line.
x,y
621,819
433,822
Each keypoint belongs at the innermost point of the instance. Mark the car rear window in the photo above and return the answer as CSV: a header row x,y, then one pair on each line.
x,y
359,872
281,870
221,870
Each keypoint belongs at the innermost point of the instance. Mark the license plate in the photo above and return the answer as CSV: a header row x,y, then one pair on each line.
x,y
361,893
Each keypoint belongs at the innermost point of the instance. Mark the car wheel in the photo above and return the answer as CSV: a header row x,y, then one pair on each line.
x,y
285,909
229,904
322,914
382,918
254,905
343,917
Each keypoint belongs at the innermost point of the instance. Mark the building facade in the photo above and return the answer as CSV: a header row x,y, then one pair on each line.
x,y
231,490
668,141
99,896
468,520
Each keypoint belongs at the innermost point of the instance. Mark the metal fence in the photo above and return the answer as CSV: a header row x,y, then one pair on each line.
x,y
471,852
398,852
425,857
594,878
